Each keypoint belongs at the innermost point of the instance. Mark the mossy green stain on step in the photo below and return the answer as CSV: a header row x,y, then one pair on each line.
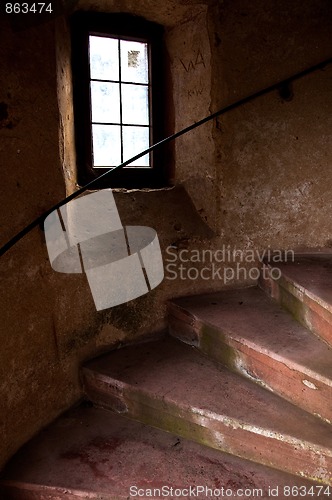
x,y
167,416
293,304
213,343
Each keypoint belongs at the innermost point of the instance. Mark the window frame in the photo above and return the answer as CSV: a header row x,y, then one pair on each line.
x,y
129,27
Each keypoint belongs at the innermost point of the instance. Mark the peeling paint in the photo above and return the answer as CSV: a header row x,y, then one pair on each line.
x,y
241,368
236,424
322,470
309,384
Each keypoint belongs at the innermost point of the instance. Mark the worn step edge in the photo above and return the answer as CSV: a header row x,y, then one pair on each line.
x,y
312,394
220,432
196,324
307,307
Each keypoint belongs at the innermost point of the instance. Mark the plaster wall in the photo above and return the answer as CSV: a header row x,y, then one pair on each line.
x,y
273,156
32,376
49,323
254,178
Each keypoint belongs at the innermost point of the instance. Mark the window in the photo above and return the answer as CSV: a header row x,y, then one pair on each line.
x,y
118,96
119,99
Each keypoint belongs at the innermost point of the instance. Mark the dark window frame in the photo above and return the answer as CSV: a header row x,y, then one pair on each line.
x,y
127,26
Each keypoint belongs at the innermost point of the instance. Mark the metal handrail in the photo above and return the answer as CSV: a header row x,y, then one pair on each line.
x,y
172,137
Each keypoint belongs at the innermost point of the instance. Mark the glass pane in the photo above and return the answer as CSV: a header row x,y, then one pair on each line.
x,y
105,102
104,58
136,140
106,140
135,104
134,62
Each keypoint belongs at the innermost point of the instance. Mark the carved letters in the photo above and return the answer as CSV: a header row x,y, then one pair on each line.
x,y
193,63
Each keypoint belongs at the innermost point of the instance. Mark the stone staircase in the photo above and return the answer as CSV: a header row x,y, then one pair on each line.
x,y
305,290
242,386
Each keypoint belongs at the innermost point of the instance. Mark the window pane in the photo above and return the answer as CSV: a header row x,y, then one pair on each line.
x,y
135,140
104,58
135,104
134,62
106,140
105,102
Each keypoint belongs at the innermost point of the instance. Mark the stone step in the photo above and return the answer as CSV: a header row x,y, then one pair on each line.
x,y
172,386
304,289
91,453
248,332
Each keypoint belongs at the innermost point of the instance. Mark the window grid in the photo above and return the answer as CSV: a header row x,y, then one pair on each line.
x,y
121,123
120,97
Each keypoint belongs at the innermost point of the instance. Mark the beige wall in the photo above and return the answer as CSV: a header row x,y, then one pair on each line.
x,y
275,156
36,381
254,178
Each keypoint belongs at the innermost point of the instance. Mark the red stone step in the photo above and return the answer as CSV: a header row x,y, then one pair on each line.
x,y
172,386
305,289
91,453
251,334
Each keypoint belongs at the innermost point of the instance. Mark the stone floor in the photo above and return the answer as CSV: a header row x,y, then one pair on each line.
x,y
90,453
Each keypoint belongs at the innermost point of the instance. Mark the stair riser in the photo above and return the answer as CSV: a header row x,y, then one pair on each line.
x,y
220,433
273,374
309,312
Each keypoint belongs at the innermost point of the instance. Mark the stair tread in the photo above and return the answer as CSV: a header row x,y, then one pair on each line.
x,y
90,452
313,274
249,316
176,373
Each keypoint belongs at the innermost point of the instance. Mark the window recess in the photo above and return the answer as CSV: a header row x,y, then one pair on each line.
x,y
118,98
